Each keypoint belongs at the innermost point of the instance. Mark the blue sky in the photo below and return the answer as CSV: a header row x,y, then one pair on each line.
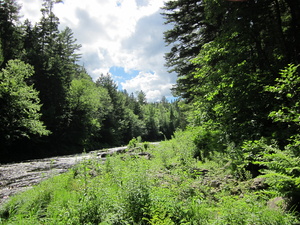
x,y
120,37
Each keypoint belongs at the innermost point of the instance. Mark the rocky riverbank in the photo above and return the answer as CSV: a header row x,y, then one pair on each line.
x,y
17,177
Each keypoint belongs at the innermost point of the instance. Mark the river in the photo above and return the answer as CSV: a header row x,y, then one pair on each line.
x,y
17,177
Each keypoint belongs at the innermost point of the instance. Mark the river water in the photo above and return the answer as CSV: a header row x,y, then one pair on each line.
x,y
17,177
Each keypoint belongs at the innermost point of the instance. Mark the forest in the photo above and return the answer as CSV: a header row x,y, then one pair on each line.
x,y
230,153
49,105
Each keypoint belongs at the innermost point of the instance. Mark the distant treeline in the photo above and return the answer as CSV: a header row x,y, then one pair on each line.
x,y
49,105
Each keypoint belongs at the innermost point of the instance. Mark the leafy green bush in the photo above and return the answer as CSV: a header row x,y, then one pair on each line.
x,y
208,141
287,94
279,167
137,143
133,143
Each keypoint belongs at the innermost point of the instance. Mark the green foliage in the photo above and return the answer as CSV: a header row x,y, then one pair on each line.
x,y
249,210
208,142
131,190
84,96
283,172
134,142
281,167
286,89
225,56
87,103
20,105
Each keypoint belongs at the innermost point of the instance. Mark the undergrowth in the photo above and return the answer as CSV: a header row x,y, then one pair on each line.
x,y
173,187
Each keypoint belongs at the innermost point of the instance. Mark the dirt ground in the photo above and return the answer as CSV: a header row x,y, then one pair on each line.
x,y
17,177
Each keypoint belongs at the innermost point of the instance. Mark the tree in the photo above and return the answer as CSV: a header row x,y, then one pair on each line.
x,y
48,25
53,54
66,47
113,123
269,25
243,47
87,108
152,122
189,32
141,98
20,106
10,36
287,114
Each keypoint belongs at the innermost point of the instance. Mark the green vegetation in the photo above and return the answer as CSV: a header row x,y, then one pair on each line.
x,y
51,106
19,104
225,54
238,82
173,187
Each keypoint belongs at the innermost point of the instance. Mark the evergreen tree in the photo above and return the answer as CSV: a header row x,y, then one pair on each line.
x,y
242,47
189,32
152,122
141,98
111,130
10,36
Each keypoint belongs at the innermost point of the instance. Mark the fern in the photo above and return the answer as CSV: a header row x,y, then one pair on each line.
x,y
282,171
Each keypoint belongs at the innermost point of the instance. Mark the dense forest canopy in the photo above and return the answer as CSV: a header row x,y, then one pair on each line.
x,y
50,105
226,53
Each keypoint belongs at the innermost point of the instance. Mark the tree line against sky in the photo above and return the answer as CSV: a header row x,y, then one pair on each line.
x,y
49,103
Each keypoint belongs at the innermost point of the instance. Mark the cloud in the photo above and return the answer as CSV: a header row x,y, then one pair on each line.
x,y
117,33
88,29
142,2
152,84
33,12
146,44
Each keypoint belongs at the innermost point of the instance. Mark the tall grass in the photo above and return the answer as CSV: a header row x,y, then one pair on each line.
x,y
171,188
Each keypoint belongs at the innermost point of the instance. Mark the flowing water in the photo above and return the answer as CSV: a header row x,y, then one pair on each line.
x,y
17,177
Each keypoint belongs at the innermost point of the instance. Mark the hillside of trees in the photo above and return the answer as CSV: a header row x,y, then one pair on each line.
x,y
49,105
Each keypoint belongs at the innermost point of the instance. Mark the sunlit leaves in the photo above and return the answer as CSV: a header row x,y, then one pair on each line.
x,y
20,105
88,106
287,89
84,95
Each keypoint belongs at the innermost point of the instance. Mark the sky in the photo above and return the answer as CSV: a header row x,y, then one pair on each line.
x,y
120,37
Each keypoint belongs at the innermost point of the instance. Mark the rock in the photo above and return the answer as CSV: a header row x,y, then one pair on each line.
x,y
258,183
145,155
111,151
135,149
215,183
278,203
228,177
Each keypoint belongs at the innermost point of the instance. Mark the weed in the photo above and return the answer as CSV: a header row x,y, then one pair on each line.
x,y
168,189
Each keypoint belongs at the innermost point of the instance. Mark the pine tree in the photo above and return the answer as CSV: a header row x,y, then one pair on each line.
x,y
242,47
10,35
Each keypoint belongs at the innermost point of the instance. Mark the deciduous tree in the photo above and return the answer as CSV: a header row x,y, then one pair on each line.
x,y
19,105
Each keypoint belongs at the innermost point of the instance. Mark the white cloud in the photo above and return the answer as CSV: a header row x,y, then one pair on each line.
x,y
152,84
31,9
116,33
